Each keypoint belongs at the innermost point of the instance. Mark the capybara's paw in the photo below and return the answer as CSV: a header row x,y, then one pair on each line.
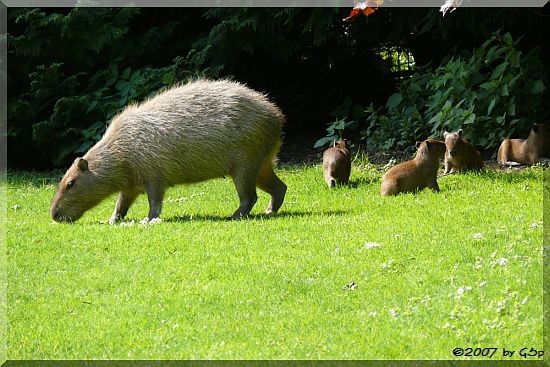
x,y
151,221
115,219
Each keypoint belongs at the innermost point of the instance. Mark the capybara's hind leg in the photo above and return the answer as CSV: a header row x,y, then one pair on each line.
x,y
503,153
123,203
389,187
244,183
270,183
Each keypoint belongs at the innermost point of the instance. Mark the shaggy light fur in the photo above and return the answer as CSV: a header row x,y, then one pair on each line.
x,y
189,133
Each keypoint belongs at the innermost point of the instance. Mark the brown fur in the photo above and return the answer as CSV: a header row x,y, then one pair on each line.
x,y
190,133
524,151
337,164
461,155
416,174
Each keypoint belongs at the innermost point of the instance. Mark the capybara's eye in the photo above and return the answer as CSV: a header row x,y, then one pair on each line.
x,y
70,184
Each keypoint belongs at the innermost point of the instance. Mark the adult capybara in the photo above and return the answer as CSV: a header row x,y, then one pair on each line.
x,y
189,133
461,155
416,174
337,163
524,151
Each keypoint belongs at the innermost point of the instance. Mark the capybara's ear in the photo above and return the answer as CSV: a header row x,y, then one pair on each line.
x,y
82,164
418,144
445,133
460,132
536,128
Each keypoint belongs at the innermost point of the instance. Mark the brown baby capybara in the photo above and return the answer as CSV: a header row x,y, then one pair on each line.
x,y
337,164
193,132
416,174
524,151
461,156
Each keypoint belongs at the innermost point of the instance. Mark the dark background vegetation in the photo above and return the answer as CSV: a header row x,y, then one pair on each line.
x,y
71,70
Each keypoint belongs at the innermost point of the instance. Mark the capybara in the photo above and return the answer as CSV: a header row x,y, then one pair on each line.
x,y
193,132
524,151
337,163
461,155
418,173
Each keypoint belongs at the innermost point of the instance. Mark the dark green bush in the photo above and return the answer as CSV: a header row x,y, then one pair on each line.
x,y
336,129
493,93
72,71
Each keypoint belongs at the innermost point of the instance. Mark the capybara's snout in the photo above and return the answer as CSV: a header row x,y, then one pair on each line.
x,y
58,216
55,214
61,217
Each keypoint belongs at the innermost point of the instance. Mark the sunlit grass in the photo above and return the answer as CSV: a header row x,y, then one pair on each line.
x,y
338,274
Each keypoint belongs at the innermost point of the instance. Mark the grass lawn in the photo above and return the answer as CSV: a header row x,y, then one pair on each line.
x,y
338,274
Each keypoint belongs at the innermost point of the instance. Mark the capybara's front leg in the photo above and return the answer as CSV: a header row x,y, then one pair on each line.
x,y
432,184
448,166
155,194
124,201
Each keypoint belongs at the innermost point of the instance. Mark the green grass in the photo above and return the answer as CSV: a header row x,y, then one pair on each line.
x,y
459,268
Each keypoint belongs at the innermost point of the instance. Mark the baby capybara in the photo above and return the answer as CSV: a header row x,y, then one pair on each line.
x,y
193,132
461,155
523,151
418,173
337,163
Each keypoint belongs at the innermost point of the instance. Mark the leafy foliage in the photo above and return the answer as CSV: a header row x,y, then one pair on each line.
x,y
336,129
493,93
71,70
77,70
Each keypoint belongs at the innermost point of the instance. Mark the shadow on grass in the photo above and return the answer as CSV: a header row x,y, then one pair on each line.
x,y
356,183
252,217
363,181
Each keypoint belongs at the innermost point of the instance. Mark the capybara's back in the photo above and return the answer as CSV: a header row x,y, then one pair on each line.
x,y
416,174
461,155
525,151
337,164
189,133
202,130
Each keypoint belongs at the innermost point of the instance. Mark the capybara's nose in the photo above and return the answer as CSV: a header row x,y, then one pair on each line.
x,y
56,215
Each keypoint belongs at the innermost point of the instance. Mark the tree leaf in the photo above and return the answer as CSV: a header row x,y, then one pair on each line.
x,y
504,91
489,85
537,87
508,39
511,108
168,78
393,101
415,87
499,70
470,119
91,106
126,73
323,141
491,106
